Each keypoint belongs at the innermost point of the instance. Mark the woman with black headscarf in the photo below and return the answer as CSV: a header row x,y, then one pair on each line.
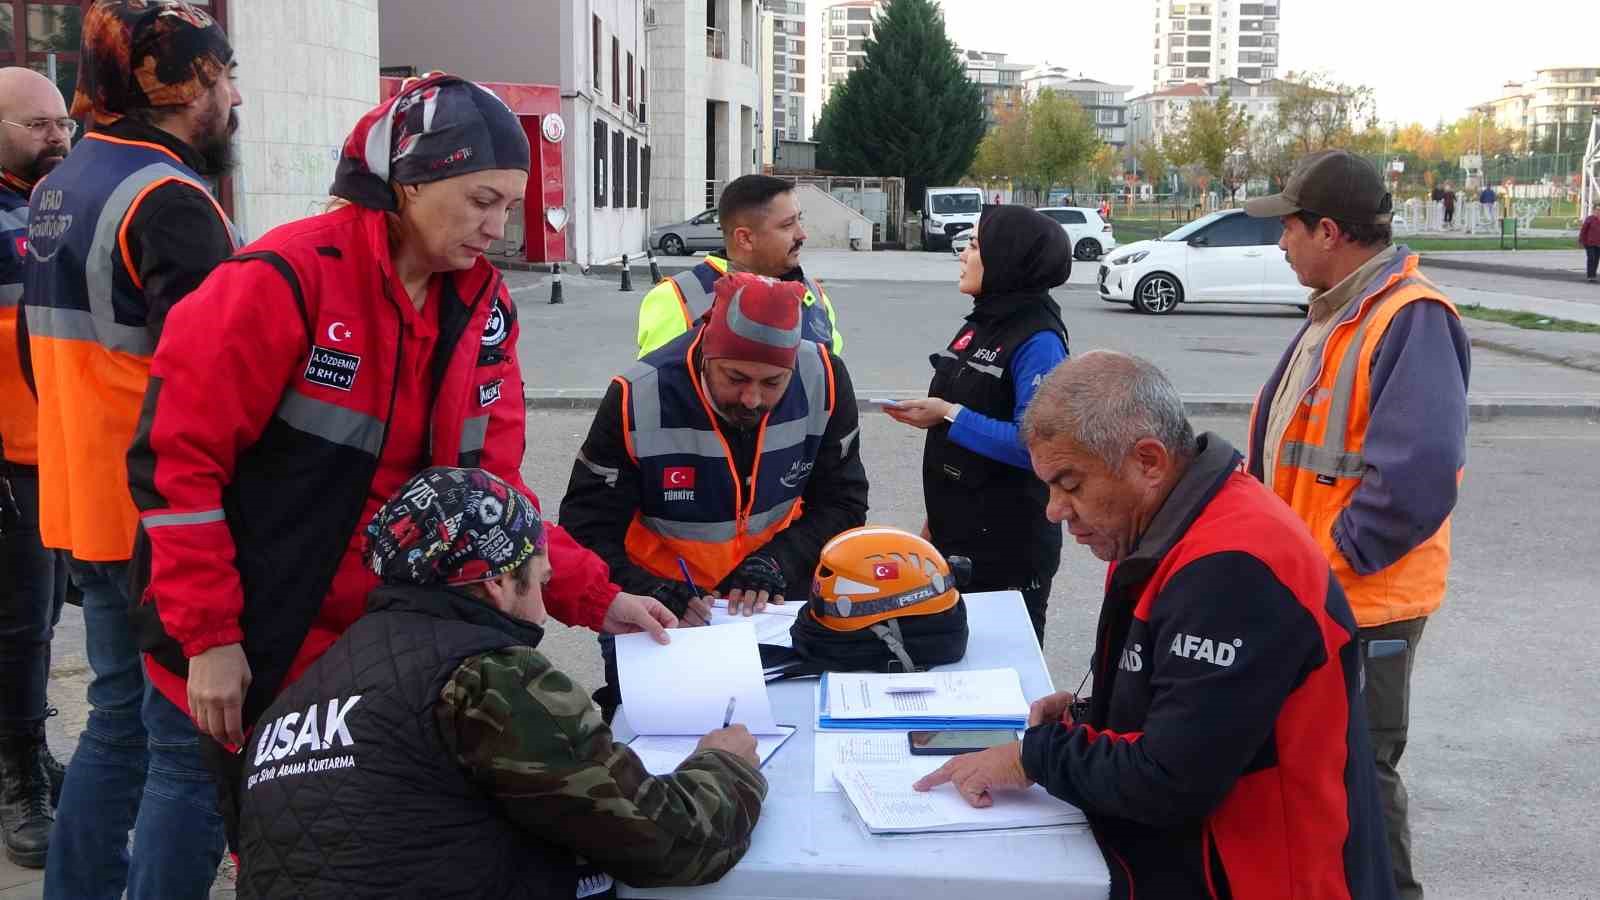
x,y
982,498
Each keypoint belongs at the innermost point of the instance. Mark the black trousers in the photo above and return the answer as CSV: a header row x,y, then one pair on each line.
x,y
1592,262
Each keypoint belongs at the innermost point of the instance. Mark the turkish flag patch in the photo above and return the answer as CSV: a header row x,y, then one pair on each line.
x,y
22,246
677,478
886,571
962,342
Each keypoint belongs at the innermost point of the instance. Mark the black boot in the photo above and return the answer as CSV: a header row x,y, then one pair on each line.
x,y
53,767
25,815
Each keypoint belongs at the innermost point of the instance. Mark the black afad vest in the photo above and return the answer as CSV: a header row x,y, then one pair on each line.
x,y
348,789
980,507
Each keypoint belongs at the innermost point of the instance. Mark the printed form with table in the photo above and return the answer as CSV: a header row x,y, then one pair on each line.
x,y
846,736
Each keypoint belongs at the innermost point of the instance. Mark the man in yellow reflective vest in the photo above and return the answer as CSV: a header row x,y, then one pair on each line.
x,y
733,448
1362,431
761,226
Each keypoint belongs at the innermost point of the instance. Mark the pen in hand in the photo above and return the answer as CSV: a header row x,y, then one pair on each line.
x,y
727,717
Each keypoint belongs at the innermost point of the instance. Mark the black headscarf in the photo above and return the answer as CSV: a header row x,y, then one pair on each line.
x,y
1023,251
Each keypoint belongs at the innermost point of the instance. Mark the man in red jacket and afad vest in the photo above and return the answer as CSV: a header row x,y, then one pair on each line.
x,y
1362,430
1224,753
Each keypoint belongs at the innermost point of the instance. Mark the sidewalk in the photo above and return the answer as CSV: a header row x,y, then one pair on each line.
x,y
1551,265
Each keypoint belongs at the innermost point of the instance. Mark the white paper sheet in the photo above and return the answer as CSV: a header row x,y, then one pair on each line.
x,y
771,628
975,694
886,803
661,754
867,750
683,688
790,609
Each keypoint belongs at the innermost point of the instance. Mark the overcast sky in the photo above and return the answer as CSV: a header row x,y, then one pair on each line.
x,y
1424,59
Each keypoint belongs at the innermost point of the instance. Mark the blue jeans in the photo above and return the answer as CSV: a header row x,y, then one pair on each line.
x,y
137,768
29,610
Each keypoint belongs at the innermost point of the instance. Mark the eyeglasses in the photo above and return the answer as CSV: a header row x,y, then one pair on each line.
x,y
41,127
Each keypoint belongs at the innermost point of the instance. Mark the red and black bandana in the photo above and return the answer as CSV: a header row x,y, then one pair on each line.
x,y
437,127
453,526
143,54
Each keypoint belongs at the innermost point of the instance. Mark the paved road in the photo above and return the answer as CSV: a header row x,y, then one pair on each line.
x,y
1503,764
891,325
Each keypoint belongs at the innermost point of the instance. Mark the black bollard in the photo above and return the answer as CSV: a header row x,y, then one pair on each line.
x,y
555,283
627,277
655,270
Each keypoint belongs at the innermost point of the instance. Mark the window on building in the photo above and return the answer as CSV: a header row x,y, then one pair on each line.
x,y
837,61
1200,56
599,165
1178,39
31,32
1175,72
797,66
616,72
1198,72
598,53
1250,25
644,177
1199,24
859,14
618,169
631,106
1249,40
1199,40
1253,74
642,116
1175,58
633,173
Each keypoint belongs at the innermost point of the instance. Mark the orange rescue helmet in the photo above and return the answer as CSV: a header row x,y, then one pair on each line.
x,y
872,574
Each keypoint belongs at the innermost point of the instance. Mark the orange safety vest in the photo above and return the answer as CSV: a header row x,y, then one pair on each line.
x,y
19,412
1319,463
693,504
88,337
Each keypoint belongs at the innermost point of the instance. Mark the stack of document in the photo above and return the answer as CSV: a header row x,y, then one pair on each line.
x,y
979,698
673,694
772,624
886,803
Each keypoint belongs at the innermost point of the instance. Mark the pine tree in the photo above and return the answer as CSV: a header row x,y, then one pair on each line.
x,y
910,111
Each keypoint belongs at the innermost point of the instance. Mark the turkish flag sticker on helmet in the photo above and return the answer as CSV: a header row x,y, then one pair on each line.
x,y
885,571
675,478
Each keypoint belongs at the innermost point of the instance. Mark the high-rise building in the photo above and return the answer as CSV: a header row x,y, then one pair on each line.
x,y
1000,82
1556,106
846,27
1204,41
783,74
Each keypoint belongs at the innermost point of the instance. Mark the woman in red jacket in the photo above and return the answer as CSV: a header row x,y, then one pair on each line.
x,y
312,375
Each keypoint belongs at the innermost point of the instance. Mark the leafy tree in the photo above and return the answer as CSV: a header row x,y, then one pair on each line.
x,y
1317,113
909,110
1061,140
1274,158
1002,155
1215,138
1152,162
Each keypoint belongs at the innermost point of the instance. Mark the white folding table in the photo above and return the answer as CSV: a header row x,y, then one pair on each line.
x,y
812,846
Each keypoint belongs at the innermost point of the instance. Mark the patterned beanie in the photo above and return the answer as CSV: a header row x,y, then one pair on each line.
x,y
453,526
754,319
143,54
437,127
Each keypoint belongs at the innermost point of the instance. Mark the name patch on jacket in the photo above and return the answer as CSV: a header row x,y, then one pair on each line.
x,y
489,393
332,368
306,731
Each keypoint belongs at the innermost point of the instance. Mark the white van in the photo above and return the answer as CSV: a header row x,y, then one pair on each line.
x,y
948,211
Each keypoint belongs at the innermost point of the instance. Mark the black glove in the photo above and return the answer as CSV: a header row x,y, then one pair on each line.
x,y
674,595
757,573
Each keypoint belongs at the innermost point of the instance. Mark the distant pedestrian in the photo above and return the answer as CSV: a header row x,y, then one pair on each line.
x,y
1449,205
1486,199
1589,239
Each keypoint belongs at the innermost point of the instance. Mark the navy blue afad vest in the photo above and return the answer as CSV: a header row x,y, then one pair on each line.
x,y
690,503
77,289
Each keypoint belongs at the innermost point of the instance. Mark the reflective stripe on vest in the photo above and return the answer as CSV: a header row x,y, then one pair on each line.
x,y
1317,473
651,440
697,302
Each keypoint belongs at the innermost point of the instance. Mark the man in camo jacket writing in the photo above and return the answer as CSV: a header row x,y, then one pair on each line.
x,y
434,752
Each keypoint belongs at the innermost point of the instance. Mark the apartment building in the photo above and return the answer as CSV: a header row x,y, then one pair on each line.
x,y
1106,104
782,66
1203,41
1557,104
999,81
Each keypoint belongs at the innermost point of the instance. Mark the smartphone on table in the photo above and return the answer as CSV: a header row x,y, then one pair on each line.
x,y
954,743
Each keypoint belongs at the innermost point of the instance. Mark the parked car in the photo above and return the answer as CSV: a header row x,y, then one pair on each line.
x,y
1090,235
958,244
703,232
1225,257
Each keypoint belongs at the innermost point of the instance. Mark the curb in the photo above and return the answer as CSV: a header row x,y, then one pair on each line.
x,y
1197,404
1589,362
1467,265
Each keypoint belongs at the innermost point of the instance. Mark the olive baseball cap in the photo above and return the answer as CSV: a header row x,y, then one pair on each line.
x,y
1336,184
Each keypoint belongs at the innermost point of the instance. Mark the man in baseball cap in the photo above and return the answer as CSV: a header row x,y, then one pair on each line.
x,y
1362,428
433,731
729,454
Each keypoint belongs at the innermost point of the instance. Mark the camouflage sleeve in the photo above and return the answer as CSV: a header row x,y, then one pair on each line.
x,y
533,739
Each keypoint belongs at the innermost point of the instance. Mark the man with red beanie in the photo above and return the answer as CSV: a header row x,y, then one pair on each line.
x,y
733,448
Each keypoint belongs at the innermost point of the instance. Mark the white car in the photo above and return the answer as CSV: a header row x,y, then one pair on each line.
x,y
1090,235
1225,257
958,244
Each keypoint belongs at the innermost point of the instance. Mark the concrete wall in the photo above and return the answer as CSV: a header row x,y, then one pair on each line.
x,y
828,221
308,69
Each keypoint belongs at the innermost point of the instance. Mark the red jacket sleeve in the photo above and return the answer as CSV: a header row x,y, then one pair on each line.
x,y
224,360
580,588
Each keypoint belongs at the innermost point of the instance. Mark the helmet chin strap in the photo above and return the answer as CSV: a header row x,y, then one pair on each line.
x,y
889,633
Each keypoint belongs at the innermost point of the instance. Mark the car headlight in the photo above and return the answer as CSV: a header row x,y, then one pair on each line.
x,y
1130,258
936,223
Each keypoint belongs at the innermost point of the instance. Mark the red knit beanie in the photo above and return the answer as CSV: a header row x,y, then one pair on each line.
x,y
754,319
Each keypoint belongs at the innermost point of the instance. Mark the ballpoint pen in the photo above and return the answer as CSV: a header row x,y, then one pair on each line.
x,y
687,578
727,717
